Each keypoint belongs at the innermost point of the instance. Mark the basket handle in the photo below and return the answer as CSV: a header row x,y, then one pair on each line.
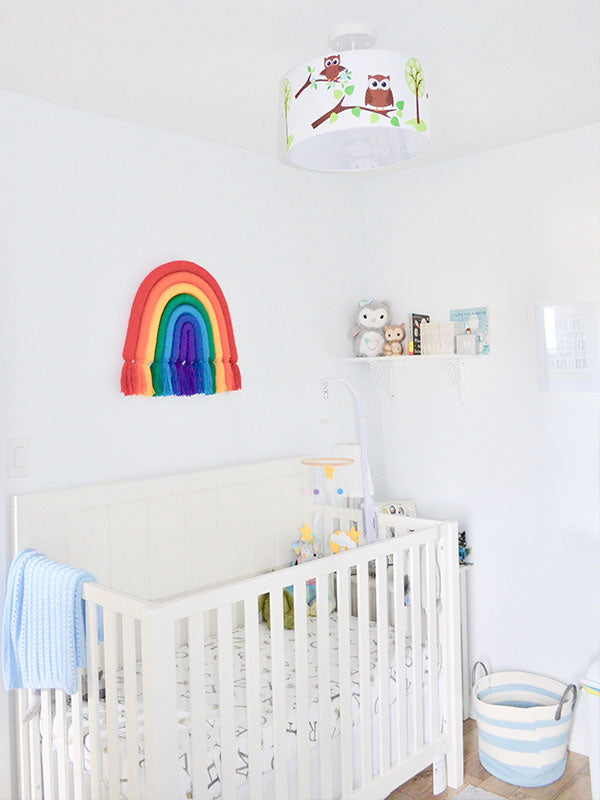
x,y
570,687
474,671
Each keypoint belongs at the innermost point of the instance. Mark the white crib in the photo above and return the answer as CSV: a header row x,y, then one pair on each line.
x,y
192,697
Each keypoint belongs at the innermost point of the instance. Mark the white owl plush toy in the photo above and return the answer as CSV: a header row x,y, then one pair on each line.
x,y
368,336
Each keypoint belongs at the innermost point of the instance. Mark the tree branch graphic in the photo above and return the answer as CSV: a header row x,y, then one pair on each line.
x,y
333,113
312,80
343,90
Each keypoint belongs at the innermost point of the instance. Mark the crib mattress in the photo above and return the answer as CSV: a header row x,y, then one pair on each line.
x,y
213,788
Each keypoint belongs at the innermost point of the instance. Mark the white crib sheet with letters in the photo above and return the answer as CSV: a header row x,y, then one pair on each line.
x,y
213,783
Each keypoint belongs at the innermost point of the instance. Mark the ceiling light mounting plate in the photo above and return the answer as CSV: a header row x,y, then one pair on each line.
x,y
351,36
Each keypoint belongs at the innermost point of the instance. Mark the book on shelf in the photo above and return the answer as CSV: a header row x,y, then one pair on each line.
x,y
474,321
439,338
414,325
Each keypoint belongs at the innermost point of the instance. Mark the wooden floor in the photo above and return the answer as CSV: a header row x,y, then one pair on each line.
x,y
574,784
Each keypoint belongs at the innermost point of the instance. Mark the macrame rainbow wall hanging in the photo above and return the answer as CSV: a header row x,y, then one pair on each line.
x,y
179,339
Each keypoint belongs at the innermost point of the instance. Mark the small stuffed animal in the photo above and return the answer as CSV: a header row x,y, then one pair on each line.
x,y
394,336
264,608
304,547
344,540
463,550
371,318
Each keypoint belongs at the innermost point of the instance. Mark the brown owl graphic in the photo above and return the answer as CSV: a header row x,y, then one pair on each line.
x,y
333,68
378,94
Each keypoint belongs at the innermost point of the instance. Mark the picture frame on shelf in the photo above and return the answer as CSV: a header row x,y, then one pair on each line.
x,y
474,321
403,508
398,508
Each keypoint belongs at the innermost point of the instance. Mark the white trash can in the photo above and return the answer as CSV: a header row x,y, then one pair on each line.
x,y
591,686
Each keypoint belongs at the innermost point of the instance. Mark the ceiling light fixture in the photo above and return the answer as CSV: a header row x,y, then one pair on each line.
x,y
355,109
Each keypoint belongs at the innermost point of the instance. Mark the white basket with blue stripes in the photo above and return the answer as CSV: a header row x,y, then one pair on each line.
x,y
524,721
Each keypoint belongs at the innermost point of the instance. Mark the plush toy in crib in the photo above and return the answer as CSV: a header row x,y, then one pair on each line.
x,y
304,548
394,336
288,603
344,540
311,599
264,607
463,550
371,318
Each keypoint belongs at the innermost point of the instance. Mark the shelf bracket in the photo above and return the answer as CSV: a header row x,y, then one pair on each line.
x,y
383,368
384,375
455,372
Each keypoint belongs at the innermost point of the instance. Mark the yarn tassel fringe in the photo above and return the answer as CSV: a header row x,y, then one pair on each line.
x,y
182,378
136,378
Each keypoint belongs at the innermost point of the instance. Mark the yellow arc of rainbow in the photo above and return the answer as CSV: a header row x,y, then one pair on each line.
x,y
151,326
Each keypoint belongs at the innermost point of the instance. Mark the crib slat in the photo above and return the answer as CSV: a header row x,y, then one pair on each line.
x,y
416,637
35,752
325,712
343,603
400,655
64,782
159,682
24,776
225,645
301,675
432,639
131,710
110,678
383,667
48,772
362,583
198,688
80,785
252,655
278,681
91,611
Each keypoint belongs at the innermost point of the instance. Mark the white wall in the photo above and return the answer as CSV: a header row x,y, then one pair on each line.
x,y
90,206
519,469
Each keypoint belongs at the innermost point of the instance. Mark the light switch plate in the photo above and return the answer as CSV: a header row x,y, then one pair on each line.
x,y
18,457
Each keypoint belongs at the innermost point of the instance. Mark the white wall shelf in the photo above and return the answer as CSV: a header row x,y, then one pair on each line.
x,y
402,359
382,367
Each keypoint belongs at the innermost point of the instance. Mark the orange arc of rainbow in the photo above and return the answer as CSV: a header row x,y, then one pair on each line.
x,y
182,279
168,294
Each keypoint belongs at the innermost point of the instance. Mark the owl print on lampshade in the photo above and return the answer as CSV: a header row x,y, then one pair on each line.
x,y
332,68
379,94
353,110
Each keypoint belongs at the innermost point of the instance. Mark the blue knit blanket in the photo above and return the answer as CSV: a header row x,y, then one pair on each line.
x,y
43,629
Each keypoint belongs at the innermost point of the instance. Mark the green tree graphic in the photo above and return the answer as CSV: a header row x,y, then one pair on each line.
x,y
287,99
415,80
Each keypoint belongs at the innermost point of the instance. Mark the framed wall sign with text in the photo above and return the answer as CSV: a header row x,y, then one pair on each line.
x,y
567,347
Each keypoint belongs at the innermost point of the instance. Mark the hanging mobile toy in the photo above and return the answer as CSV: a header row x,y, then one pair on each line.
x,y
325,483
329,466
369,507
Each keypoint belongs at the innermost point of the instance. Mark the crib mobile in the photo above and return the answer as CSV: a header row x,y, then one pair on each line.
x,y
325,484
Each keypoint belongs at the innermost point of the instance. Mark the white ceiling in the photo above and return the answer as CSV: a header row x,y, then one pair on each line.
x,y
498,71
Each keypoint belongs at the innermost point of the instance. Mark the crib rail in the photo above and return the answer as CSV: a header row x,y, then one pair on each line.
x,y
69,745
389,749
325,711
